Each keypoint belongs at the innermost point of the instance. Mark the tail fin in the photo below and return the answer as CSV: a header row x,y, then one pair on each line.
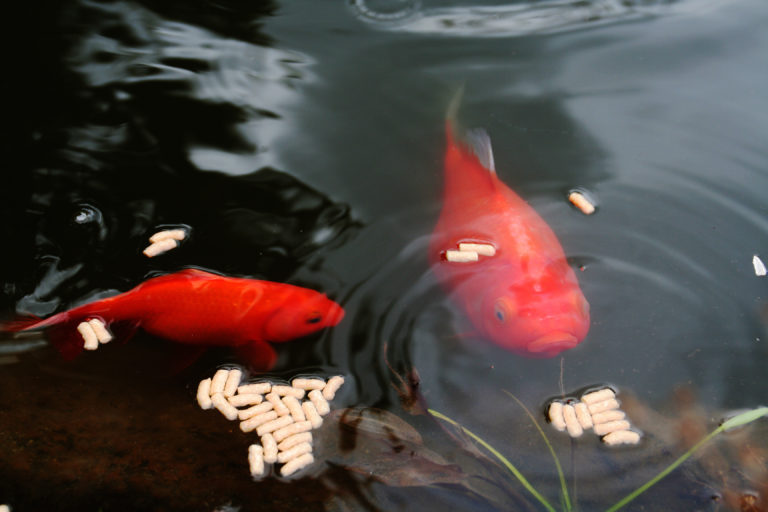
x,y
61,330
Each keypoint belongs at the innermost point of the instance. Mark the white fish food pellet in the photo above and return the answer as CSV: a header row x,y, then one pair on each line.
x,y
297,413
90,340
288,391
246,399
224,407
333,385
271,426
204,394
312,415
309,384
481,249
233,380
582,202
290,442
259,388
256,460
280,408
102,334
607,416
270,448
320,403
256,421
605,405
572,424
598,396
290,430
173,234
299,449
160,247
582,414
602,429
296,464
455,256
556,415
261,408
622,437
218,381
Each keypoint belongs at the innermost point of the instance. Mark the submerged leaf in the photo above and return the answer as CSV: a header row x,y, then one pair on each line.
x,y
745,417
408,469
378,423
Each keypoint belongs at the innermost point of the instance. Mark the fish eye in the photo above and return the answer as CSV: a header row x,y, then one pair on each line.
x,y
503,309
314,318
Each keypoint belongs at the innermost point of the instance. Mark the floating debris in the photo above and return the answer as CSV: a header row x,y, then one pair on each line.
x,y
164,241
760,269
598,411
582,200
275,411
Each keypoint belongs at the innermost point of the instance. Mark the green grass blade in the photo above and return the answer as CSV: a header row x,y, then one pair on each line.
x,y
499,456
736,421
560,474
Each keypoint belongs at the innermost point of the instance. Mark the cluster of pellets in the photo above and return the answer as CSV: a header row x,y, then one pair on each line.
x,y
164,241
94,332
279,414
469,252
597,410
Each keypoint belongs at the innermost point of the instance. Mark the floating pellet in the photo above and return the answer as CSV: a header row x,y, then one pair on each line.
x,y
606,416
270,448
461,256
174,234
259,388
204,394
256,459
218,381
308,384
759,266
296,464
271,426
277,403
581,202
291,441
612,426
622,437
297,413
556,415
320,403
5,508
102,334
333,385
233,380
299,449
571,422
160,247
312,415
288,391
224,407
582,414
605,405
481,249
246,399
91,341
598,396
255,410
258,420
294,428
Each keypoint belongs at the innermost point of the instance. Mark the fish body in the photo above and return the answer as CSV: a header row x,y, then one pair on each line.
x,y
525,297
200,308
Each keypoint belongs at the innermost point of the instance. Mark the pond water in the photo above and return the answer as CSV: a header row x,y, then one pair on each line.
x,y
302,142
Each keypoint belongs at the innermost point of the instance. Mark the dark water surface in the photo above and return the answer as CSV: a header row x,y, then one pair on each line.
x,y
302,142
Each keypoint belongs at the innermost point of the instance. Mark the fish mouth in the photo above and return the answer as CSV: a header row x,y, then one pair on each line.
x,y
553,343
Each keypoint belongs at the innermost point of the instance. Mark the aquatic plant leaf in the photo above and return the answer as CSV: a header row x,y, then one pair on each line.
x,y
744,418
378,423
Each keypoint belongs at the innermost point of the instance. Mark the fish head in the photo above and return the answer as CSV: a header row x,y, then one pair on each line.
x,y
542,323
303,313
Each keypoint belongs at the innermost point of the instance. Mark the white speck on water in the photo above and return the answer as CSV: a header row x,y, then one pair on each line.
x,y
760,269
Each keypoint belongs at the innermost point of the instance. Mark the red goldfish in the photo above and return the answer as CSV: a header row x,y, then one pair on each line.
x,y
204,309
525,297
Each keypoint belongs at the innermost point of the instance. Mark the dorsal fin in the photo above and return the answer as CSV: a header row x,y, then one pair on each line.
x,y
480,143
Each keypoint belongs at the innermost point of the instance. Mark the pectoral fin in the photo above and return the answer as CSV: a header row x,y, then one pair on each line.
x,y
259,355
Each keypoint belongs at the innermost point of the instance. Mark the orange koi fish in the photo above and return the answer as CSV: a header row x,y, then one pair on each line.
x,y
525,296
204,309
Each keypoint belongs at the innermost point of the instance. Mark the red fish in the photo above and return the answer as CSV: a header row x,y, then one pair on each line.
x,y
203,309
525,297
